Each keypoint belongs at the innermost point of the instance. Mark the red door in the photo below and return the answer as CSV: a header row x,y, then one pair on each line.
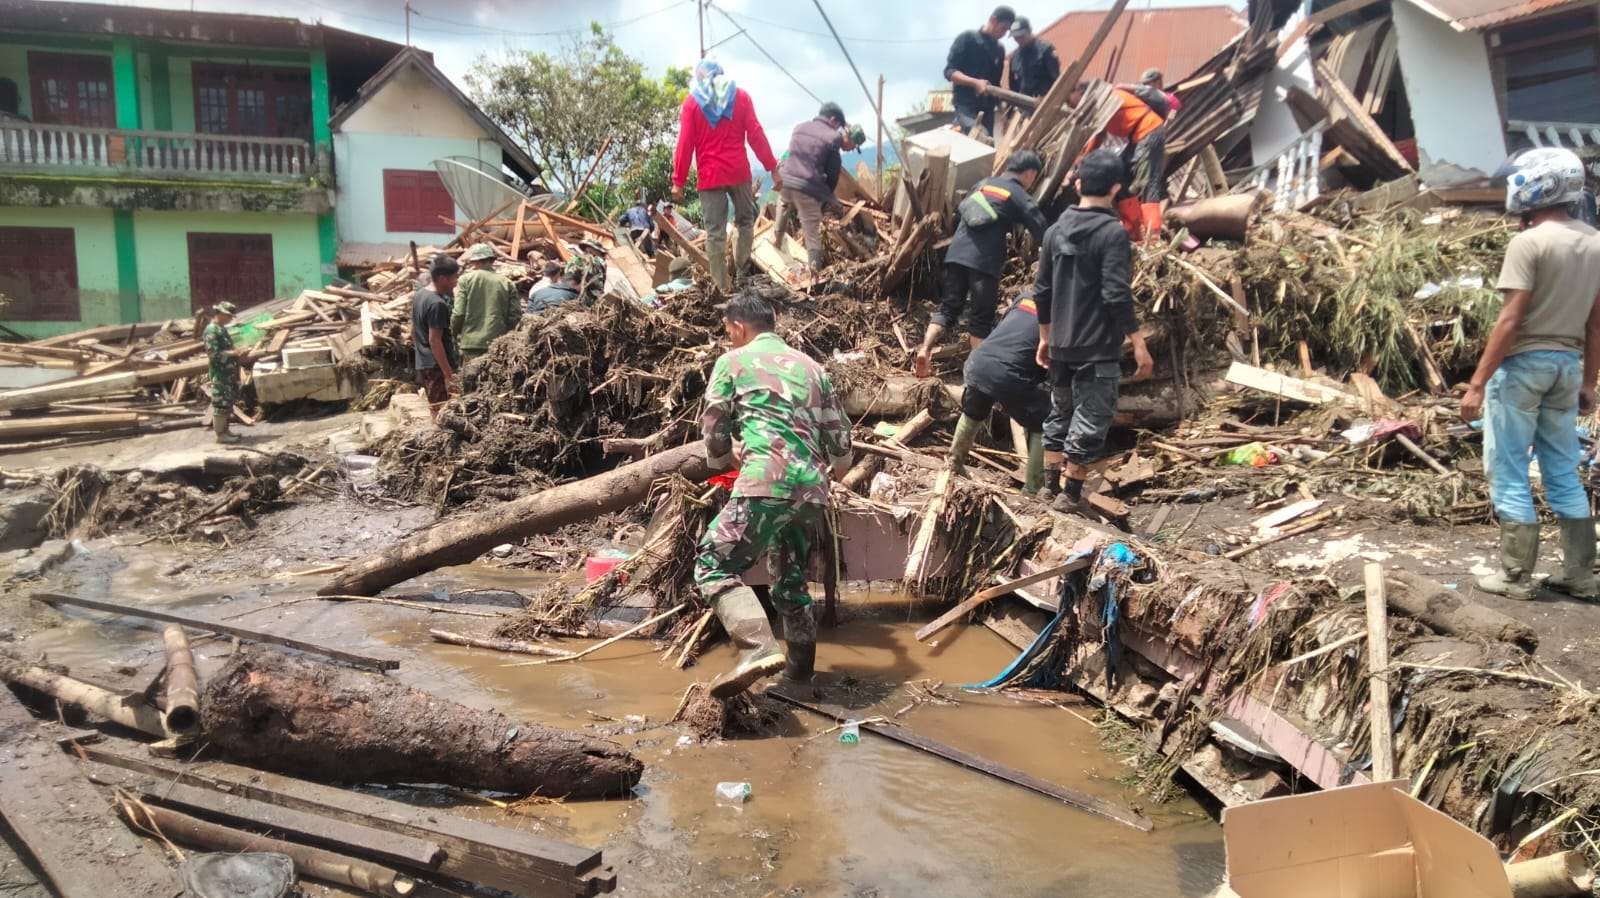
x,y
232,267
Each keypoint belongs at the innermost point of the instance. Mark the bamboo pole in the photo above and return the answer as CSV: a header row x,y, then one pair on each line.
x,y
128,711
1552,876
514,646
617,638
181,717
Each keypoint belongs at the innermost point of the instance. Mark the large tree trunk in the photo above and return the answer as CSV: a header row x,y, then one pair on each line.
x,y
459,540
333,723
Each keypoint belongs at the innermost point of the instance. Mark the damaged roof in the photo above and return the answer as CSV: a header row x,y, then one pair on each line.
x,y
1476,15
411,57
1176,40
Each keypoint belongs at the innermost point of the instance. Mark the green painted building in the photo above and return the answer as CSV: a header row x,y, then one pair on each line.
x,y
155,161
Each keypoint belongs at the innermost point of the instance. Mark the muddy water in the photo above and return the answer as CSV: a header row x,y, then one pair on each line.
x,y
824,819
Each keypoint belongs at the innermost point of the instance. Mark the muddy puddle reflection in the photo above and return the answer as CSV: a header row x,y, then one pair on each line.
x,y
824,819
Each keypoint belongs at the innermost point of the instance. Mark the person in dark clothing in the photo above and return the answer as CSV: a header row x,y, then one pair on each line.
x,y
977,253
1034,64
1085,310
810,173
1005,370
975,62
433,347
641,227
561,290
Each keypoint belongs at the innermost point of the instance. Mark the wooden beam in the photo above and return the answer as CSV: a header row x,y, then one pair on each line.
x,y
50,425
681,243
922,546
995,592
67,825
904,736
516,235
364,661
1378,675
502,858
1342,8
1284,387
1358,114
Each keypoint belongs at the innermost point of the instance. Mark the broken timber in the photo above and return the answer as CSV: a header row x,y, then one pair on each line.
x,y
462,539
1283,386
66,825
895,733
364,661
494,856
994,592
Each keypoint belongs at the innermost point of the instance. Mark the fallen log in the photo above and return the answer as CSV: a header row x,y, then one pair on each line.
x,y
1567,873
861,473
332,723
181,716
1446,611
313,862
461,539
513,646
129,711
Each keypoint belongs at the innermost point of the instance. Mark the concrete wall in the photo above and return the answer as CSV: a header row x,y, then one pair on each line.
x,y
1451,90
406,125
162,249
94,241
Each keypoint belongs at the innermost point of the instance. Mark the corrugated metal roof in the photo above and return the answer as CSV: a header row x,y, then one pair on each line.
x,y
1176,40
1476,15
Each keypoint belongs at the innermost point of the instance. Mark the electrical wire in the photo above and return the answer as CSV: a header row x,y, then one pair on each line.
x,y
856,40
474,30
764,52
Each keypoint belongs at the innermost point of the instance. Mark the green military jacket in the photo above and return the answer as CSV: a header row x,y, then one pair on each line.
x,y
486,306
780,404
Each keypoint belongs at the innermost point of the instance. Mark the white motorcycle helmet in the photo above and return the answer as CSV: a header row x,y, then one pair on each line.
x,y
1540,178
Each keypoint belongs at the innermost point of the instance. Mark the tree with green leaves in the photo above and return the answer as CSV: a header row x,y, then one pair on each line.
x,y
563,108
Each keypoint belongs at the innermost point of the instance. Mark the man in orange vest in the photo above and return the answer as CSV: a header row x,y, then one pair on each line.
x,y
1145,156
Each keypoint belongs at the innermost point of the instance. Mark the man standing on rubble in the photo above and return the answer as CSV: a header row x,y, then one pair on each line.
x,y
486,303
1537,373
811,172
1085,309
977,254
772,412
1034,64
975,62
1144,155
716,121
223,367
1005,370
433,349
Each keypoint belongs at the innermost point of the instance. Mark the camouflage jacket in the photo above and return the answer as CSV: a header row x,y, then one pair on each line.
x,y
780,405
486,306
219,349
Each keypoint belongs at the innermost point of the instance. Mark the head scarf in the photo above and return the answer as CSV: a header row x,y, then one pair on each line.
x,y
713,91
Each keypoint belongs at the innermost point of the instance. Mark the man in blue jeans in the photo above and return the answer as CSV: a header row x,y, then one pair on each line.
x,y
1538,371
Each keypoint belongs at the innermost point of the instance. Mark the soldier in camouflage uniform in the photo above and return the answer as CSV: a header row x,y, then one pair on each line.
x,y
224,370
772,411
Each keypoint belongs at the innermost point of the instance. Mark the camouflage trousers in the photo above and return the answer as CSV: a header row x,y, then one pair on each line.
x,y
224,385
748,528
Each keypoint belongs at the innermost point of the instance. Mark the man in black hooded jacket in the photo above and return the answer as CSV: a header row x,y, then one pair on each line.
x,y
1085,310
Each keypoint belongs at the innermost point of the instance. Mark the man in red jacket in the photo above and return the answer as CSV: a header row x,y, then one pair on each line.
x,y
716,122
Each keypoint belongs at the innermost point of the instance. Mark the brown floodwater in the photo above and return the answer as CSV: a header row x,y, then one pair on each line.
x,y
824,818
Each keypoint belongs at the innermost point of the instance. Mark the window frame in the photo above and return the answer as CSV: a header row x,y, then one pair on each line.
x,y
77,70
275,84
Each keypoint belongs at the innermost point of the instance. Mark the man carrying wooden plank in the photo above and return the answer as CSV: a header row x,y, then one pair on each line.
x,y
223,369
433,348
1538,372
770,410
977,253
974,63
716,121
486,303
1085,309
1004,370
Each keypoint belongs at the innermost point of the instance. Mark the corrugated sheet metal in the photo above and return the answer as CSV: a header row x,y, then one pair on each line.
x,y
1475,15
1176,40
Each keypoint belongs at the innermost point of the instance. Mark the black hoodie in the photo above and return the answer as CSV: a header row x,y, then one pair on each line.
x,y
1085,262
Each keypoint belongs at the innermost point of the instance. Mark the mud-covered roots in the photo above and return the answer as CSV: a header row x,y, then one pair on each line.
x,y
710,718
77,492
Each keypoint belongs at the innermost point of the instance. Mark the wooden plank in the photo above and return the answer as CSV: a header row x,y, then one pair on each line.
x,y
502,858
1358,114
679,242
1283,386
922,546
516,235
66,824
936,182
995,592
904,736
351,658
867,183
562,250
295,825
1342,8
626,257
1378,674
48,425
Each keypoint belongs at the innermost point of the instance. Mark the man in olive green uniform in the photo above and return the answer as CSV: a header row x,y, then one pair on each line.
x,y
770,410
224,370
486,303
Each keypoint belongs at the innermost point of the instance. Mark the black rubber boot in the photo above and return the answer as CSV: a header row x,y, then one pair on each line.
x,y
799,643
1050,484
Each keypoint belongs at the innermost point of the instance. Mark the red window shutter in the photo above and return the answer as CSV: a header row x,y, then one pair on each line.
x,y
39,272
233,267
417,201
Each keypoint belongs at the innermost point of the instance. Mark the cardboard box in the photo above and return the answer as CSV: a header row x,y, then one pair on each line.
x,y
1367,841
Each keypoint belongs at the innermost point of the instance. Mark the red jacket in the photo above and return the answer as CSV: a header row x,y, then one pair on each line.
x,y
718,153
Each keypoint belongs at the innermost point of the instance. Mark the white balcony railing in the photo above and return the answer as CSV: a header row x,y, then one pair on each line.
x,y
62,149
1572,135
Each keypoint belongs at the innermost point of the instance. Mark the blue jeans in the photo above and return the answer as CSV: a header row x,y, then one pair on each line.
x,y
1531,403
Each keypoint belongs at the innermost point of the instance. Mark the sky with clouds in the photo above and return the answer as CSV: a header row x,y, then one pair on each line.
x,y
904,40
